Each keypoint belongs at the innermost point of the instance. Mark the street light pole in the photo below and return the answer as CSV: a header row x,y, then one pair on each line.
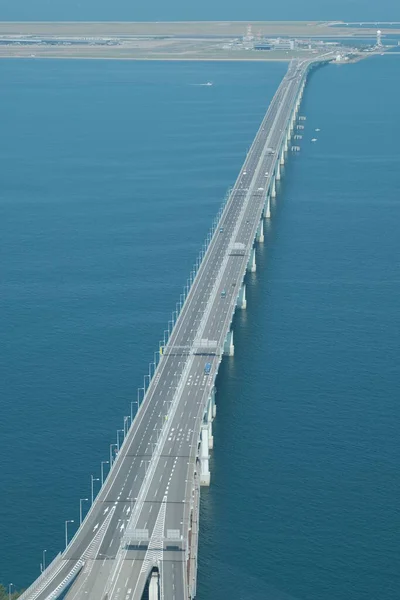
x,y
111,453
118,432
80,508
66,531
150,375
93,479
103,462
44,560
140,390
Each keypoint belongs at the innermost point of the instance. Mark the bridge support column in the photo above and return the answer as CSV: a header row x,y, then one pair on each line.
x,y
291,123
229,348
204,457
213,404
251,265
209,415
273,188
278,172
267,208
241,301
282,161
209,418
260,232
210,436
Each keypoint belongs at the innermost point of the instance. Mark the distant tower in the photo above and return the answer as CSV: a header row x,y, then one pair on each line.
x,y
379,38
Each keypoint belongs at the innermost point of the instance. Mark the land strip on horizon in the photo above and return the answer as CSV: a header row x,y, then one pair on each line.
x,y
185,40
188,28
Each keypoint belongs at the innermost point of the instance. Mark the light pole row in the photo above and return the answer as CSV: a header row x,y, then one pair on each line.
x,y
128,420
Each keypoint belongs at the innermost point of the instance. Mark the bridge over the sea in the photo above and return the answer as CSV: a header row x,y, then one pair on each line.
x,y
142,529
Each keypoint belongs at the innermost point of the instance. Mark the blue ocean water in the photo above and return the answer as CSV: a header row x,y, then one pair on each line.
x,y
207,10
111,174
305,469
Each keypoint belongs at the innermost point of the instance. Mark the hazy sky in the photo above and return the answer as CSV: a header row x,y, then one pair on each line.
x,y
153,10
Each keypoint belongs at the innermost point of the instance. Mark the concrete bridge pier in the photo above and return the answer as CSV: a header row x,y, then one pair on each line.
x,y
292,121
251,265
282,159
289,133
210,436
260,232
241,301
207,438
204,456
209,417
298,100
267,208
278,172
213,404
229,348
273,188
193,538
288,138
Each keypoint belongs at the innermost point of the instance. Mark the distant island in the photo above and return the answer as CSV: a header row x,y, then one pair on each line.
x,y
186,40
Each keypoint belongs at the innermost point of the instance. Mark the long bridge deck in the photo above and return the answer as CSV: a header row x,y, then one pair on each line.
x,y
145,517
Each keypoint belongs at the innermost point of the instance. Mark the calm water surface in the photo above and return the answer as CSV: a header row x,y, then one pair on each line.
x,y
111,174
207,10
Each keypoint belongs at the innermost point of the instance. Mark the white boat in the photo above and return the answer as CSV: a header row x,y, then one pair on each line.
x,y
314,140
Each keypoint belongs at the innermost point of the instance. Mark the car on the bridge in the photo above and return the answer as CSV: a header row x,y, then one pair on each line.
x,y
223,294
221,229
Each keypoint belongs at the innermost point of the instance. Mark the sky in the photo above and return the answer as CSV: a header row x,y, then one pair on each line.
x,y
208,10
